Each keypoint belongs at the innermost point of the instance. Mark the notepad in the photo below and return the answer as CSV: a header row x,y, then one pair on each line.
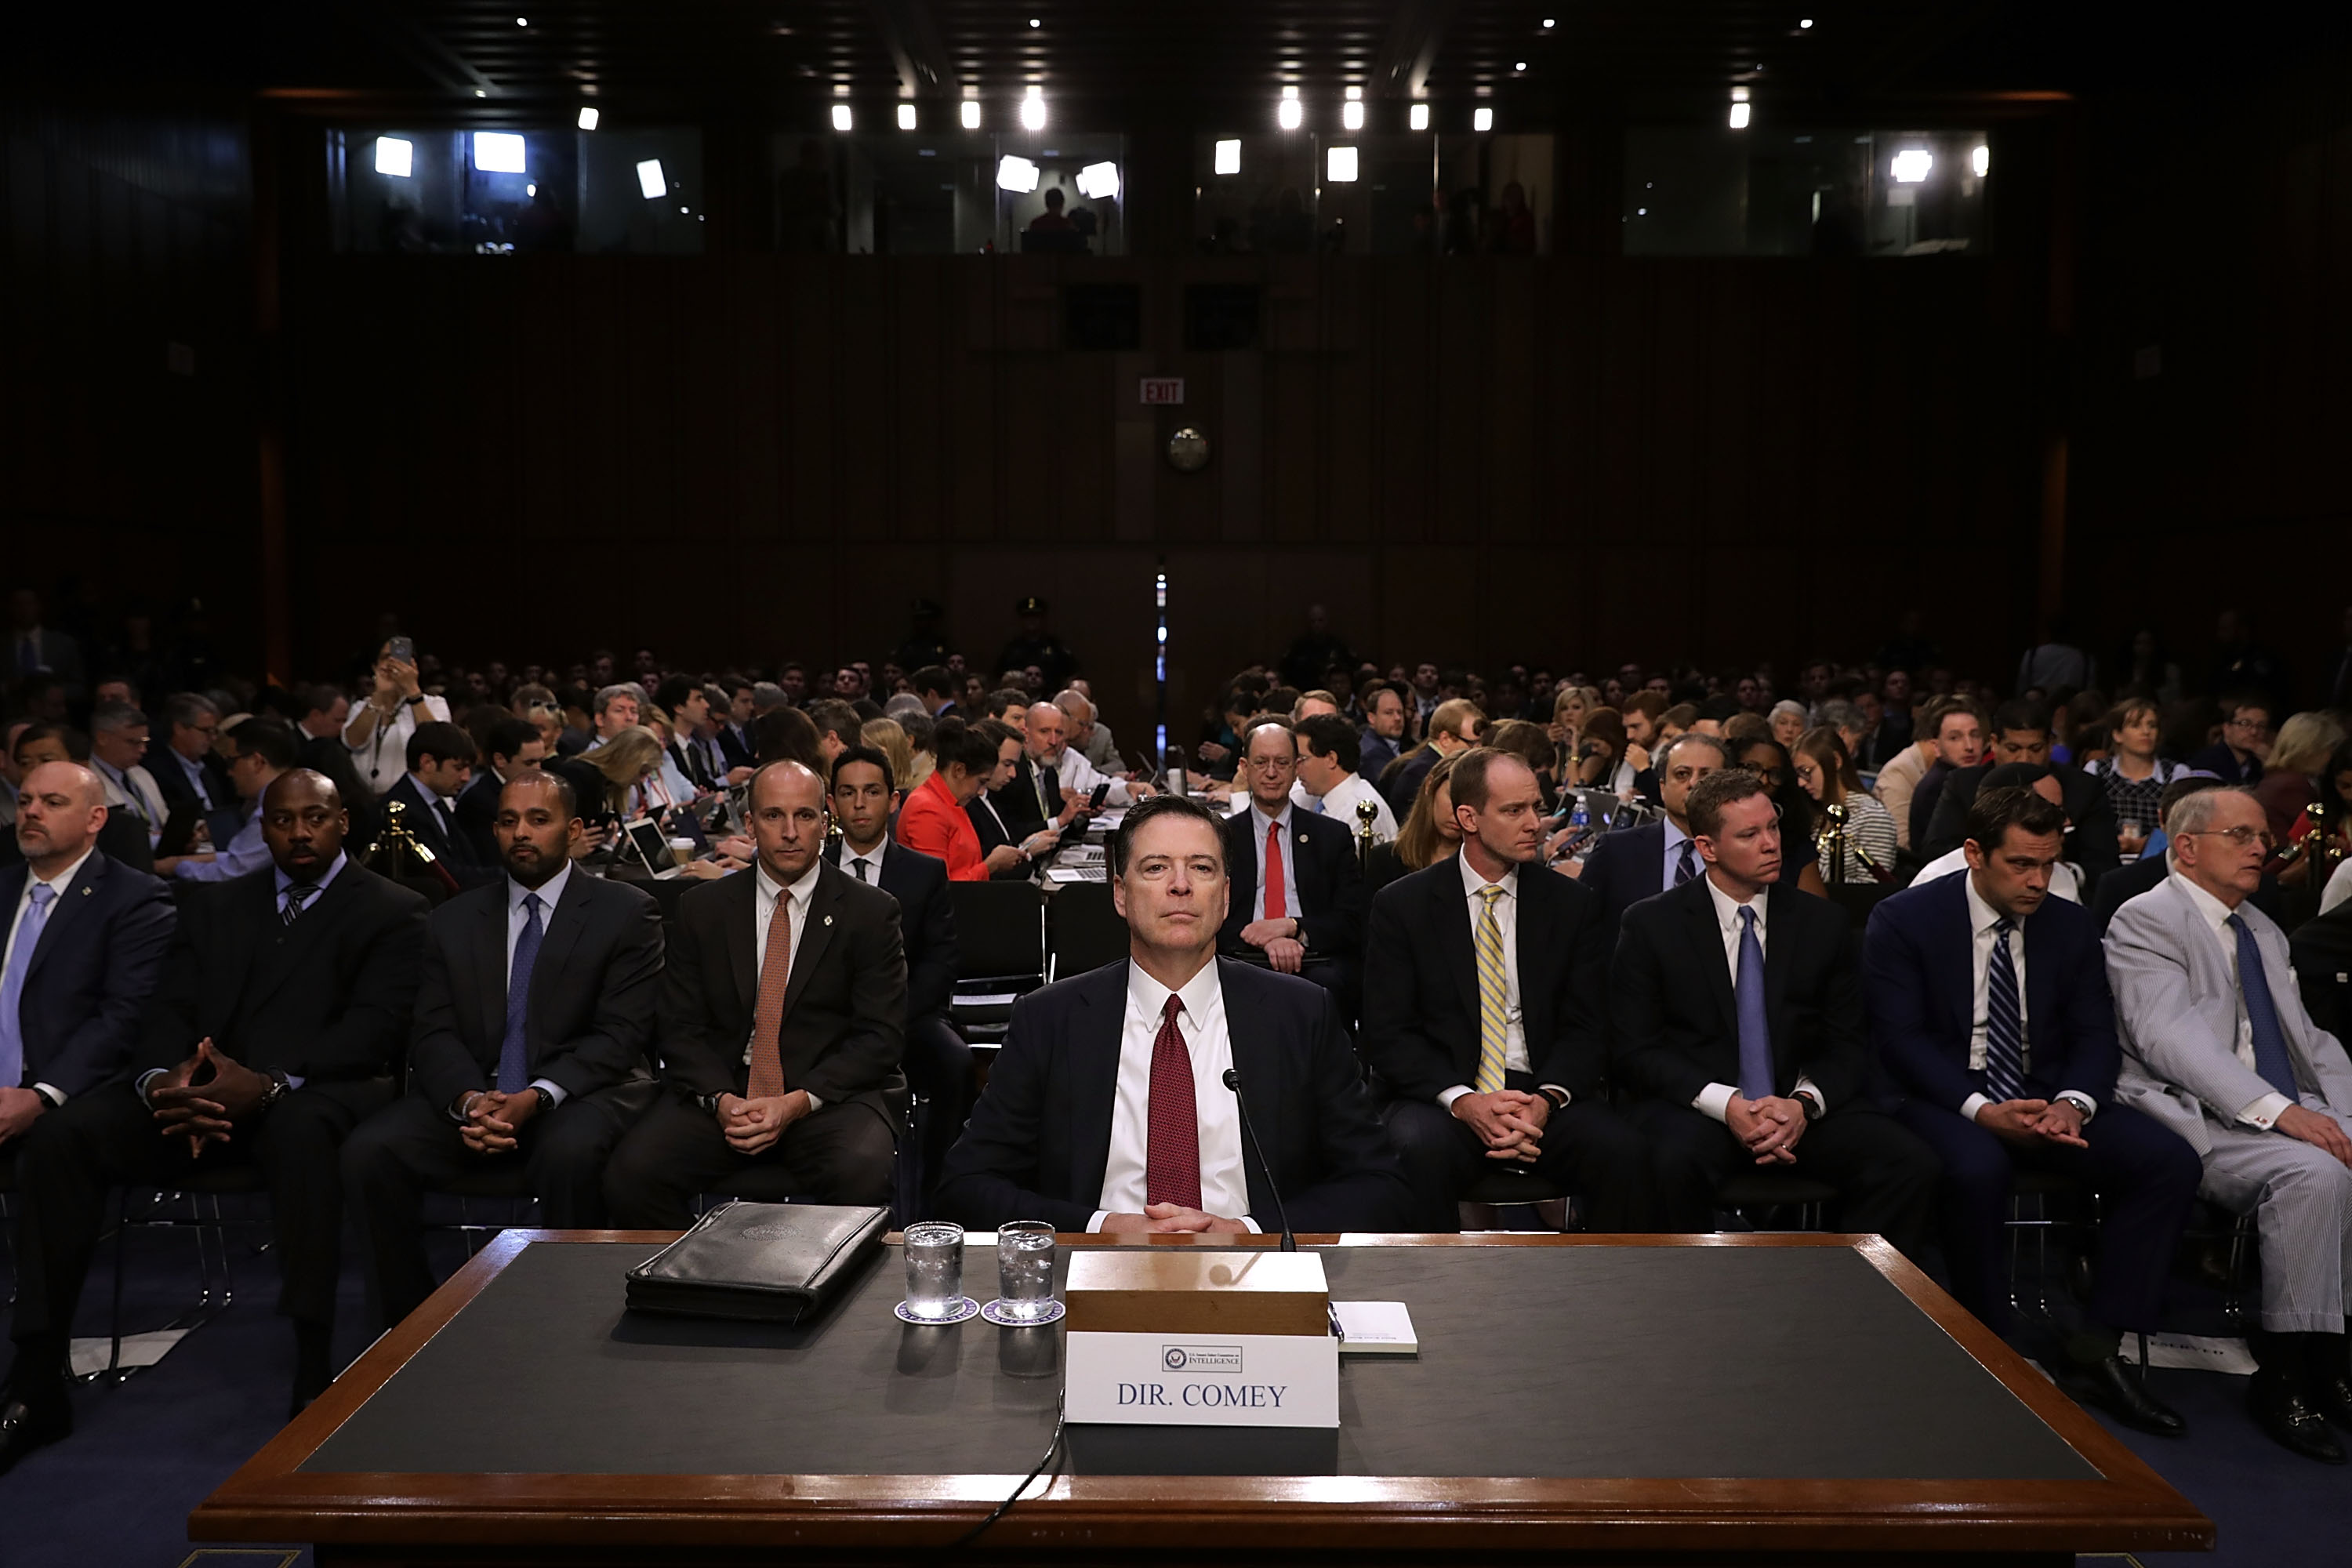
x,y
1375,1327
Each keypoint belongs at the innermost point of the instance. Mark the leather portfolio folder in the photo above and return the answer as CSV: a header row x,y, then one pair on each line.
x,y
770,1263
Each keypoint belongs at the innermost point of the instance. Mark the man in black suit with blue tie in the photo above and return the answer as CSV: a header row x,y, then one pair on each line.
x,y
1989,1013
1297,892
1116,1104
937,1063
1637,863
533,1038
441,758
83,945
1740,1020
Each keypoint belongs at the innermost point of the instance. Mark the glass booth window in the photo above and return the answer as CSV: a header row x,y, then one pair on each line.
x,y
913,192
1371,193
501,191
1711,191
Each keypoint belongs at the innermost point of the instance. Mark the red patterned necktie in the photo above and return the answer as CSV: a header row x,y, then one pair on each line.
x,y
1172,1158
1276,895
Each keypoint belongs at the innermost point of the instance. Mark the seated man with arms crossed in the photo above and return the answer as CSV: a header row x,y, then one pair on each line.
x,y
783,1019
534,1021
1109,1107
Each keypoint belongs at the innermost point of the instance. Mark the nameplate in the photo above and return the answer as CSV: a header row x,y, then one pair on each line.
x,y
1192,1291
1185,1379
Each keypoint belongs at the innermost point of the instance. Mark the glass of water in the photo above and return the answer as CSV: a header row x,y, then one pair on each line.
x,y
934,1271
1025,1270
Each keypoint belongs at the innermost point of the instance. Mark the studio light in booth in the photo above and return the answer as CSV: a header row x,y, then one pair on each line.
x,y
588,118
651,181
1032,109
497,153
1741,111
1981,162
842,118
1805,23
1351,113
1229,157
1015,174
1291,115
1912,165
394,156
1418,117
1339,165
906,117
1099,181
971,114
1482,121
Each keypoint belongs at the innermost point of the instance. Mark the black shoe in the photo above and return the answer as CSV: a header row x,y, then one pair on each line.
x,y
2335,1398
26,1425
2292,1421
2113,1387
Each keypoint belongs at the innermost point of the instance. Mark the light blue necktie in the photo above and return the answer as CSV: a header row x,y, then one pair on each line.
x,y
12,984
1755,1034
2271,1057
514,1056
2004,1028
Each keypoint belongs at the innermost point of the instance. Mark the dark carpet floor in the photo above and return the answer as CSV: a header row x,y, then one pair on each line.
x,y
148,1450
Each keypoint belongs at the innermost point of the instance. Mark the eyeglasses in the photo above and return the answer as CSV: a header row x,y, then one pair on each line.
x,y
1273,764
2240,836
2251,726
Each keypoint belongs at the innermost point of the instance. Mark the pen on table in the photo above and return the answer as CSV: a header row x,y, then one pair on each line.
x,y
1332,1313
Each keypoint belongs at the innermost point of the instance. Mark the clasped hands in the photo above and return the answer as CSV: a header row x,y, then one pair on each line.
x,y
1769,1128
1509,1122
1169,1219
1279,938
493,1119
203,1097
753,1125
2034,1121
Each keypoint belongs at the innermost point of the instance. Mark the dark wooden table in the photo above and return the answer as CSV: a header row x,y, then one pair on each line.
x,y
2108,1502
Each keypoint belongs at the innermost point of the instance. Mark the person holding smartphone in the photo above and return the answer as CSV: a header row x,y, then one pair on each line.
x,y
380,727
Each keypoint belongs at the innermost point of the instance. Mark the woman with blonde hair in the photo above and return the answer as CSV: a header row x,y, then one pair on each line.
x,y
888,737
630,764
2291,773
1429,835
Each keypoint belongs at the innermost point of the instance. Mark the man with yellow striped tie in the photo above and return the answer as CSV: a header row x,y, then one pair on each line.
x,y
1483,1014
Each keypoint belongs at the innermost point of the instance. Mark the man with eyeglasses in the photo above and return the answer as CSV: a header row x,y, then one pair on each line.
x,y
1297,890
2217,1046
2245,744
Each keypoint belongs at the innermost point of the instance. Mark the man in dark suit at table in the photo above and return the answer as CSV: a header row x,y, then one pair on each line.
x,y
1484,981
1739,1017
1637,863
937,1063
441,758
1989,1013
1296,891
272,1035
1110,1108
82,944
784,1018
532,1039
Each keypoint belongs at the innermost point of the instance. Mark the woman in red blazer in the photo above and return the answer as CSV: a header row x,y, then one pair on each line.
x,y
933,819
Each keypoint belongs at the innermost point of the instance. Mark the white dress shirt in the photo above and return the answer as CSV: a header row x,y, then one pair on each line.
x,y
1224,1190
872,860
132,789
1341,803
2065,877
1982,919
1716,1098
1259,824
1507,923
2264,1113
383,757
60,882
764,894
1076,771
549,893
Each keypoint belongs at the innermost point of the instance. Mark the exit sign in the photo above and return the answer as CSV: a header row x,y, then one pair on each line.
x,y
1163,389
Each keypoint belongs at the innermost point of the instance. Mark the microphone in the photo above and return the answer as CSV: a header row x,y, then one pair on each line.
x,y
1233,1082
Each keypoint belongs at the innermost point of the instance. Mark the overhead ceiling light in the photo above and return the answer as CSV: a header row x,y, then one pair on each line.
x,y
396,157
522,21
1351,115
1980,160
906,117
1229,157
1911,166
1739,116
1290,115
1548,22
651,181
1520,66
1015,175
841,117
1418,117
971,114
1355,94
588,118
1037,21
1032,109
497,153
1339,165
1099,181
481,93
1482,121
530,190
1806,23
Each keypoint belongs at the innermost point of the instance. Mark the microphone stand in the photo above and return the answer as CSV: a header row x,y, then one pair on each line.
x,y
1289,1236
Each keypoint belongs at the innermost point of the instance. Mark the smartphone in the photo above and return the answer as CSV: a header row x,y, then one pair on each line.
x,y
1102,793
401,648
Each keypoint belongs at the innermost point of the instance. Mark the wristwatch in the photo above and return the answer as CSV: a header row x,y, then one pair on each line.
x,y
279,1086
1804,1097
1559,1097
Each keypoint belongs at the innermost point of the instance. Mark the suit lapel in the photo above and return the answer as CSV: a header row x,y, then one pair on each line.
x,y
1957,983
824,903
489,956
1259,1054
735,922
1706,939
564,924
1241,848
1455,943
1093,1049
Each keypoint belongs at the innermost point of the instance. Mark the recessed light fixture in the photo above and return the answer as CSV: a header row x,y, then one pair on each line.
x,y
1520,66
1339,165
1808,22
588,118
651,182
841,117
971,114
1037,21
1418,117
1229,157
1032,109
522,21
394,156
1290,115
906,117
1351,116
1482,121
1547,22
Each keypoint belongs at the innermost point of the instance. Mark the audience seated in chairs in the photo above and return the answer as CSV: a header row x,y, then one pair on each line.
x,y
1296,892
533,1026
440,763
1428,835
1637,863
943,818
272,1035
1484,981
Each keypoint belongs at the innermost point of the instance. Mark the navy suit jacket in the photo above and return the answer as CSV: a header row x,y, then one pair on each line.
x,y
99,957
926,925
1331,883
422,821
1625,868
1918,984
1039,1140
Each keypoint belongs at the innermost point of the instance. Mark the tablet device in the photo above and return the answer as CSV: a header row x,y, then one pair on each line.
x,y
648,844
179,831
